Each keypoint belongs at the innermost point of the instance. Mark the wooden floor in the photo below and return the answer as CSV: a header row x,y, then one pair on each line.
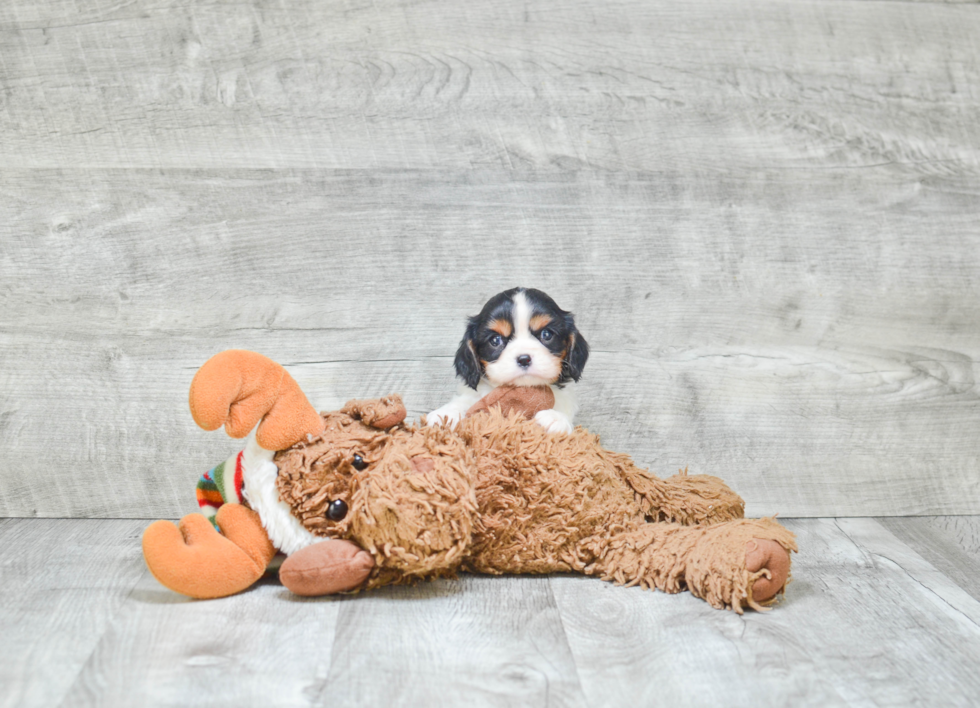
x,y
881,612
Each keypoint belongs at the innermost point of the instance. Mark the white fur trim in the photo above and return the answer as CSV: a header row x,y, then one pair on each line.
x,y
259,473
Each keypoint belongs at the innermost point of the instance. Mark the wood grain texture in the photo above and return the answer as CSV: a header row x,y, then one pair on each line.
x,y
401,84
476,640
866,621
261,648
61,583
822,358
963,531
950,543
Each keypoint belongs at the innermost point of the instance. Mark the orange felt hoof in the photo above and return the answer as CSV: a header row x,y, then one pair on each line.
x,y
243,527
765,554
238,389
197,561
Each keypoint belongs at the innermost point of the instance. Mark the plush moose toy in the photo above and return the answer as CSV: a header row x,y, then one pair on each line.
x,y
358,499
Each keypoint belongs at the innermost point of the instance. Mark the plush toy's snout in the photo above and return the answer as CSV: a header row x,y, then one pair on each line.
x,y
409,493
325,568
415,512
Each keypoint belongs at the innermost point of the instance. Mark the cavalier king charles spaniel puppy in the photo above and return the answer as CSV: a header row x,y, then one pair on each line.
x,y
520,338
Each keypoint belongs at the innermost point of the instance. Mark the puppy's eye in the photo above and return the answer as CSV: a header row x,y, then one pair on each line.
x,y
496,340
358,463
337,510
546,335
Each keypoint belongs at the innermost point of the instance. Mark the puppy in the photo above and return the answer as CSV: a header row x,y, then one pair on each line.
x,y
521,338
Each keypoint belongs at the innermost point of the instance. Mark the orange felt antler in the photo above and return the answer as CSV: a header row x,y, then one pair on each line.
x,y
238,389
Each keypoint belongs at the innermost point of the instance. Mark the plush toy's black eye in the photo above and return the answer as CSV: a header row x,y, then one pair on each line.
x,y
337,510
496,340
359,463
546,335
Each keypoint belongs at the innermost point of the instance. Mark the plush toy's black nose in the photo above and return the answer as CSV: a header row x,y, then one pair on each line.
x,y
524,360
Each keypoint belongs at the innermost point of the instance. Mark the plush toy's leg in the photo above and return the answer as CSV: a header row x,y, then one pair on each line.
x,y
767,555
195,560
686,499
730,565
701,499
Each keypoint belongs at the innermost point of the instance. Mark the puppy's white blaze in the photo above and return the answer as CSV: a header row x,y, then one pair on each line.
x,y
522,316
545,367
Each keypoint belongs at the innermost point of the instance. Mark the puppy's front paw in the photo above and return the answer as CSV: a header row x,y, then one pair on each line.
x,y
447,415
553,421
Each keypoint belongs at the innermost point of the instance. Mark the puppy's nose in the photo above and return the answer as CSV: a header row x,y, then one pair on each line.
x,y
524,360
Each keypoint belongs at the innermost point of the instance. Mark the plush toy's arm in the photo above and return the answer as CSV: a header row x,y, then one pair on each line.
x,y
529,401
685,499
741,563
553,408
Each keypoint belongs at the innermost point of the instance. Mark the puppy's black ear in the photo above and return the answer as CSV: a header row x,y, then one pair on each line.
x,y
467,366
575,356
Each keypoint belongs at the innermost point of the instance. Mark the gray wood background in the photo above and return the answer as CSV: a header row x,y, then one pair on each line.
x,y
766,216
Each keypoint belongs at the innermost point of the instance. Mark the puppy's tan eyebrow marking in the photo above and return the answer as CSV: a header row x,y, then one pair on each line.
x,y
501,327
540,322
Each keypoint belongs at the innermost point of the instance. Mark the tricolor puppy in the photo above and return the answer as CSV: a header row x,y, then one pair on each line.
x,y
521,338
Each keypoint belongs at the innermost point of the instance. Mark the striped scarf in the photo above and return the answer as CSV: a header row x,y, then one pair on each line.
x,y
220,485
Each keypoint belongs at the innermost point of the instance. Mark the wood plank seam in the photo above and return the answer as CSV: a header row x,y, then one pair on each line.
x,y
88,663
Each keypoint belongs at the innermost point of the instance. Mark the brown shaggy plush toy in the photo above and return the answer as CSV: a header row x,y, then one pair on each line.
x,y
358,499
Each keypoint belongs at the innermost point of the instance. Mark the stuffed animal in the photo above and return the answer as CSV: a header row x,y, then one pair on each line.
x,y
359,499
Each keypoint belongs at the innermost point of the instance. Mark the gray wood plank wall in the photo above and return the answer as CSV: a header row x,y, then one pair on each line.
x,y
765,216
